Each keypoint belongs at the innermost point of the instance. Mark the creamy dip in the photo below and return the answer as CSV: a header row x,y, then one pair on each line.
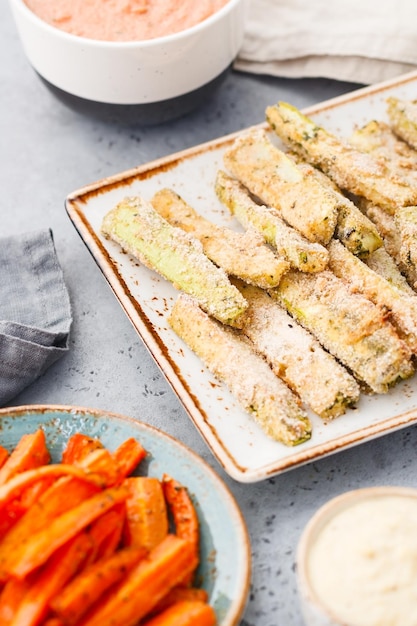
x,y
363,564
124,20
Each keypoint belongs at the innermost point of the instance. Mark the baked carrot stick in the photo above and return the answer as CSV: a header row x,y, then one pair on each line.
x,y
185,613
88,586
106,532
30,495
78,447
16,485
53,621
29,453
15,509
128,456
64,494
11,596
62,566
9,515
101,462
145,585
4,455
183,513
176,594
182,509
146,512
40,546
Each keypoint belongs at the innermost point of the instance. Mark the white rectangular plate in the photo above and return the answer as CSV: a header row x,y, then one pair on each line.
x,y
239,445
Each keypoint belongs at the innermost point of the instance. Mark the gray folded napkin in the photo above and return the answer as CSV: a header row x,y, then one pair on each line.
x,y
35,310
353,40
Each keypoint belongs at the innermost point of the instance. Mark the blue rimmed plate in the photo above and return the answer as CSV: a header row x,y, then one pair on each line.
x,y
225,548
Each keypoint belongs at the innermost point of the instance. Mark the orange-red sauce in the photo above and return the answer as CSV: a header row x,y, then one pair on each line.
x,y
124,20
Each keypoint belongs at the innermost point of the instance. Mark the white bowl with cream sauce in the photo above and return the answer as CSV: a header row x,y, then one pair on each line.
x,y
357,560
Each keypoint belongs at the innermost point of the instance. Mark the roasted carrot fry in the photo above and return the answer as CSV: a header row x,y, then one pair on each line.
x,y
101,462
40,546
53,621
185,613
34,492
16,485
31,452
15,509
180,593
145,585
183,513
65,562
128,456
9,515
11,596
146,512
4,455
66,493
78,447
106,532
88,586
62,566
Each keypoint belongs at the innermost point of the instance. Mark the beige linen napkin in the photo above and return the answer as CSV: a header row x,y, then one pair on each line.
x,y
360,41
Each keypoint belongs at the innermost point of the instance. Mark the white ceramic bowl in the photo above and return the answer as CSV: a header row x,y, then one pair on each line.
x,y
357,560
138,72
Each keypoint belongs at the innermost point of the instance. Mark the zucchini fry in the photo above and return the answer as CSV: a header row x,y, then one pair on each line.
x,y
352,170
403,119
289,243
178,257
382,263
244,255
356,231
348,325
405,220
297,357
360,278
391,233
378,139
275,179
232,359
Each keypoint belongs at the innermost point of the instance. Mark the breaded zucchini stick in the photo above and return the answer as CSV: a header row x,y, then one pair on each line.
x,y
361,279
232,359
356,231
276,180
348,325
382,143
289,243
382,263
140,230
297,357
351,169
403,119
406,222
244,255
391,234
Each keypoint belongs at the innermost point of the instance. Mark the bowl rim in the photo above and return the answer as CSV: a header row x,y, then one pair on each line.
x,y
318,521
238,605
143,43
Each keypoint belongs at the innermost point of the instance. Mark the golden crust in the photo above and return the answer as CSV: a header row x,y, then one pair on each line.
x,y
248,376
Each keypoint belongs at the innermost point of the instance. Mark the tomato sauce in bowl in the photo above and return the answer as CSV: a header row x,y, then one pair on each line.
x,y
124,20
